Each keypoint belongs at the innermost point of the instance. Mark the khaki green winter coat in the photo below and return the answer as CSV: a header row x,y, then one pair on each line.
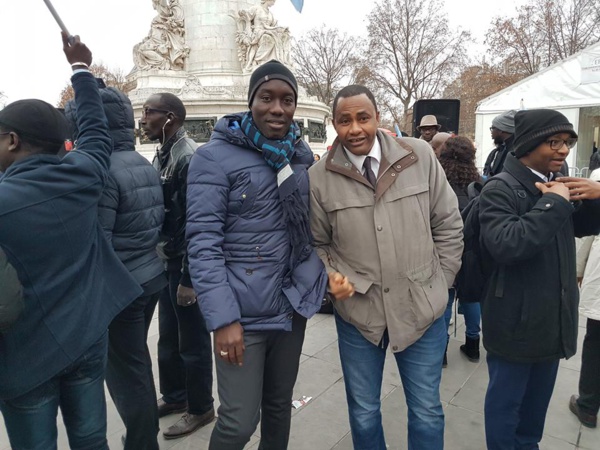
x,y
399,244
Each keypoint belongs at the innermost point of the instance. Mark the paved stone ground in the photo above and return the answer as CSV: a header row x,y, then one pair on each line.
x,y
323,424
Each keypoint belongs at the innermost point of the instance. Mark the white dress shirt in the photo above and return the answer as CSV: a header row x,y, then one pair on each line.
x,y
359,160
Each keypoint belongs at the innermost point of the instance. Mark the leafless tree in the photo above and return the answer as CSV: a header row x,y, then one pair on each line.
x,y
475,83
111,77
323,58
544,32
412,51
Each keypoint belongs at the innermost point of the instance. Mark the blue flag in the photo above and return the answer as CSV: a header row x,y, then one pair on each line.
x,y
298,4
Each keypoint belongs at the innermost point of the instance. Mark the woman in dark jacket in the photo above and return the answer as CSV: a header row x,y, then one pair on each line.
x,y
457,157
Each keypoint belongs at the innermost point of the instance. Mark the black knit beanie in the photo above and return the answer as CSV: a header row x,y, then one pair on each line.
x,y
534,126
35,119
272,70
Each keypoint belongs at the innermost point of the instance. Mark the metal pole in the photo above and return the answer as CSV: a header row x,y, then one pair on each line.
x,y
57,17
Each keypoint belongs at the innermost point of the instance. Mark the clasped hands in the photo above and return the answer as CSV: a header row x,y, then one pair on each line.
x,y
572,188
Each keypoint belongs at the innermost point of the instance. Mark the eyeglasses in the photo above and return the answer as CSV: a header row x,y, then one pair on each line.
x,y
494,128
147,111
5,133
557,144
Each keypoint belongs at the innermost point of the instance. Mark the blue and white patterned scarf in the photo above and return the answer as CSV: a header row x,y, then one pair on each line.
x,y
278,155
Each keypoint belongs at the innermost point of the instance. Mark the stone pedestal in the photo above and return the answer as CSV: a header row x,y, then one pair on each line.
x,y
213,84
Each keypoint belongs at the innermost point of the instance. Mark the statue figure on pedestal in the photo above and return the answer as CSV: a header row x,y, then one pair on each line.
x,y
164,48
259,37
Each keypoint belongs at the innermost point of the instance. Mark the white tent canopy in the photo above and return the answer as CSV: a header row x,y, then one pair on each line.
x,y
571,86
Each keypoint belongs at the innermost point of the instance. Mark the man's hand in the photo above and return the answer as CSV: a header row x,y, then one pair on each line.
x,y
76,52
554,187
229,343
185,296
340,287
581,188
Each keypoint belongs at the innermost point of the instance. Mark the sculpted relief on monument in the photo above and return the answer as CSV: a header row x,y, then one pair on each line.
x,y
259,37
164,48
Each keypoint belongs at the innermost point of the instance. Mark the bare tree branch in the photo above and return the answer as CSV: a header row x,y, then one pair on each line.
x,y
412,51
111,77
323,58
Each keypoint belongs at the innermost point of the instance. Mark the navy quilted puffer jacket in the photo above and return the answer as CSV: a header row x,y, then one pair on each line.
x,y
131,209
239,248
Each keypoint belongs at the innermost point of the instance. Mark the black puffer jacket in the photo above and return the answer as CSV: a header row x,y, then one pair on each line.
x,y
131,209
529,311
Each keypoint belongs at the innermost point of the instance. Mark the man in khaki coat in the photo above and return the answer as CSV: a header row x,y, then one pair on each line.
x,y
397,237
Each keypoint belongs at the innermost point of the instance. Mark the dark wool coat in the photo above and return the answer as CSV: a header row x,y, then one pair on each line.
x,y
529,311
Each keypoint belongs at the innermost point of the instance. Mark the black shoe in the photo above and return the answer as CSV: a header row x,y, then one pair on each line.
x,y
471,349
164,408
445,361
587,420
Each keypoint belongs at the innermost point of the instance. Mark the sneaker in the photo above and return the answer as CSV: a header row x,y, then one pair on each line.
x,y
587,420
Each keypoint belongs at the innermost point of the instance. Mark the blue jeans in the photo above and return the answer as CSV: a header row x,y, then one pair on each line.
x,y
516,402
79,392
420,367
471,311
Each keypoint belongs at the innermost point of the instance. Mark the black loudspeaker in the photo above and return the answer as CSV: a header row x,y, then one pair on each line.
x,y
446,111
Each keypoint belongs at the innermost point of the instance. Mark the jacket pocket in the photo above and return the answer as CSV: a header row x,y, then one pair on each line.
x,y
242,195
257,287
340,203
406,191
428,294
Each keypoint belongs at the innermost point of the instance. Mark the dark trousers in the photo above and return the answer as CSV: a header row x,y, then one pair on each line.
x,y
129,373
79,392
589,379
516,403
184,351
263,384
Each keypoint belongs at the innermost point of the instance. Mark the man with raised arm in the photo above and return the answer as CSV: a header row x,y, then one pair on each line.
x,y
54,354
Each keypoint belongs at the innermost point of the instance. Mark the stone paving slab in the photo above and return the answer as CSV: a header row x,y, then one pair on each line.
x,y
323,423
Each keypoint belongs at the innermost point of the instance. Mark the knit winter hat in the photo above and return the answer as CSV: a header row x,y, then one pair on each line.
x,y
534,126
505,121
272,70
37,120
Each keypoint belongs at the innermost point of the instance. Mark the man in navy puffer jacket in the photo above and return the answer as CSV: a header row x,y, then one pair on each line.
x,y
131,213
251,260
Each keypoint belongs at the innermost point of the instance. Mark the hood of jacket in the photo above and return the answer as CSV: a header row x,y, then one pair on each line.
x,y
119,113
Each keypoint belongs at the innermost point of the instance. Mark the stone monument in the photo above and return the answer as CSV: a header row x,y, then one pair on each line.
x,y
204,51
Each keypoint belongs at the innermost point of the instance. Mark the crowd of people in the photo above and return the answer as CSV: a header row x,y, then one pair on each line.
x,y
245,236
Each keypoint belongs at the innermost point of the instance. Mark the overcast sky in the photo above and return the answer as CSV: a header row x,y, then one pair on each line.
x,y
33,65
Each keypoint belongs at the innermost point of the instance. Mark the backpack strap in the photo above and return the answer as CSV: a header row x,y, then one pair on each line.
x,y
522,208
517,188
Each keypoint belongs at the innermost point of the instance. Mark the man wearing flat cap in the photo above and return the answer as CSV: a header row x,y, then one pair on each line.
x,y
252,263
529,310
73,285
502,130
428,127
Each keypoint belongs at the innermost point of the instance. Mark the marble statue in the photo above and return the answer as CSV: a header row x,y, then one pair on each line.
x,y
164,48
259,38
